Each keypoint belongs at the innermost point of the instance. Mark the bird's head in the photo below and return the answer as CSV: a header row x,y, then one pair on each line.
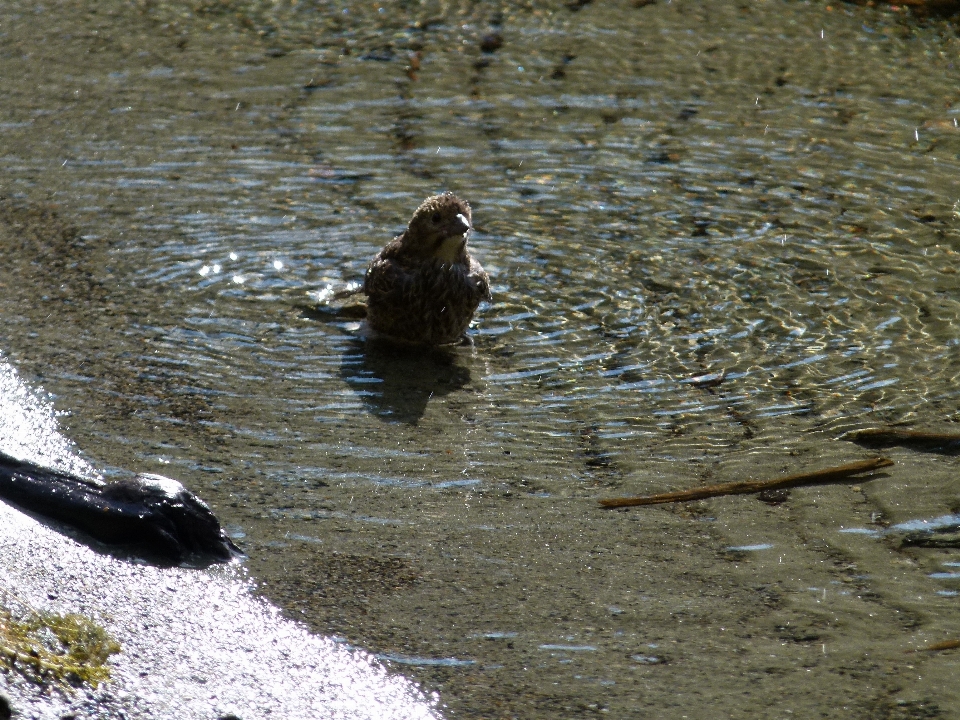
x,y
439,227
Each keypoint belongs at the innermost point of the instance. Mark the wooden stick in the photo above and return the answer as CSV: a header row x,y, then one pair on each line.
x,y
945,645
751,486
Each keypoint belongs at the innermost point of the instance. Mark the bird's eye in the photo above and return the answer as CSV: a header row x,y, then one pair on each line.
x,y
436,218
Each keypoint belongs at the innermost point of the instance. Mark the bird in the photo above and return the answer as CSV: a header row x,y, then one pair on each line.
x,y
423,287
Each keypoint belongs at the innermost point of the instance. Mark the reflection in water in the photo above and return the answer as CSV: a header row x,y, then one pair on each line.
x,y
396,381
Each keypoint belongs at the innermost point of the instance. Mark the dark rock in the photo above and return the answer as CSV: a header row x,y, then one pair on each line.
x,y
491,42
152,513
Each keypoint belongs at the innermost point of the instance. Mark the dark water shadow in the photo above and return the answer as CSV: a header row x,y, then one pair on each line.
x,y
924,442
396,381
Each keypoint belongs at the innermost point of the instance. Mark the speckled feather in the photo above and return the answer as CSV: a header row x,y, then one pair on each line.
x,y
424,287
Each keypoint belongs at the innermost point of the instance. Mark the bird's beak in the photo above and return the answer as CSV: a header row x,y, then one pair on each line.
x,y
463,225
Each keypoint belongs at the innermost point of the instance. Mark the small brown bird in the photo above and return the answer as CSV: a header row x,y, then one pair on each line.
x,y
424,287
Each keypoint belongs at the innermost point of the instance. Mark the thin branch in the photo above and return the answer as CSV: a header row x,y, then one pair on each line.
x,y
816,477
936,647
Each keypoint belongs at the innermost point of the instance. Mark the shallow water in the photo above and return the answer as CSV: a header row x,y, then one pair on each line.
x,y
718,237
769,216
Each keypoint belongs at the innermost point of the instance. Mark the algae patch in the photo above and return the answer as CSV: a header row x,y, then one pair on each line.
x,y
51,648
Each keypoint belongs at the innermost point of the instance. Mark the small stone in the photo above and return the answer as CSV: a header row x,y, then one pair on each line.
x,y
491,42
774,496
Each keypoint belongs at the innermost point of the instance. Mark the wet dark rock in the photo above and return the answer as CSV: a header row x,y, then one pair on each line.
x,y
155,515
491,42
774,496
6,711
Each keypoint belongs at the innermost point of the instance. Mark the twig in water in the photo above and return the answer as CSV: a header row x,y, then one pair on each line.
x,y
751,486
945,645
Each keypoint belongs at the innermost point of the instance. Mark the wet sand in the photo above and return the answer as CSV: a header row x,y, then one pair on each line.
x,y
514,597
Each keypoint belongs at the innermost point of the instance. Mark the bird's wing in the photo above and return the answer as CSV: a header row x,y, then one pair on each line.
x,y
482,280
387,280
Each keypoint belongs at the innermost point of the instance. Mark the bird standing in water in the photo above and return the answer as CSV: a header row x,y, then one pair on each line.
x,y
424,287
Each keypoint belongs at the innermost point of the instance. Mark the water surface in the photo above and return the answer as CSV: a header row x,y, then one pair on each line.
x,y
718,237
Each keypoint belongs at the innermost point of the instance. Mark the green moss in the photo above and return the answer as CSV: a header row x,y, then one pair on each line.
x,y
60,649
